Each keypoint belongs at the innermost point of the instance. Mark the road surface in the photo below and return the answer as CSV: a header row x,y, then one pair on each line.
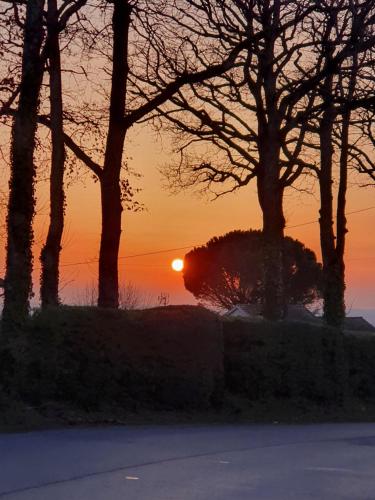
x,y
221,462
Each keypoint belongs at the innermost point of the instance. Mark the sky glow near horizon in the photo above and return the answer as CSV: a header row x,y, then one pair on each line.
x,y
173,221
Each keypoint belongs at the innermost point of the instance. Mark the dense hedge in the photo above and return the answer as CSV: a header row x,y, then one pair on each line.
x,y
286,360
291,360
360,355
166,357
181,357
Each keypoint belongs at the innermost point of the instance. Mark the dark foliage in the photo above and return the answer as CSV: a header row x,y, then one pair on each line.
x,y
172,358
21,203
285,361
159,358
360,349
228,270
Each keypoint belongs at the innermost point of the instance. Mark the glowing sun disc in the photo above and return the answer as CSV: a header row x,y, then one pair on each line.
x,y
177,265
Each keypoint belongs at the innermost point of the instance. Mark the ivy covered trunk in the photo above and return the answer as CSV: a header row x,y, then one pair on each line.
x,y
21,205
50,255
334,291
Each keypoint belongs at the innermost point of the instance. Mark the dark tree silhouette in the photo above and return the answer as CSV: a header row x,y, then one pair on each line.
x,y
331,133
126,110
57,20
126,49
135,62
248,115
252,123
337,143
21,194
228,271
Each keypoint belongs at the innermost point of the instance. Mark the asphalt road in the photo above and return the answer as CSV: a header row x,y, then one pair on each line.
x,y
222,462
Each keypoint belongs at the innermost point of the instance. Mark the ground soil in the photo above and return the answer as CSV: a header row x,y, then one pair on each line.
x,y
21,418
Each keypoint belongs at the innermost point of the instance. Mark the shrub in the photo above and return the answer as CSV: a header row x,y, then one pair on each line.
x,y
164,357
286,360
360,351
174,358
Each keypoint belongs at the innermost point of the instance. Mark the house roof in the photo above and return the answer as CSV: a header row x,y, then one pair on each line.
x,y
249,309
358,323
298,312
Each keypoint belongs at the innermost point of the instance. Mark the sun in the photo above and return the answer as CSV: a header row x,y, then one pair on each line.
x,y
177,265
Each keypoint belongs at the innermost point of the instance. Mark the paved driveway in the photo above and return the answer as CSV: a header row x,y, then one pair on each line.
x,y
222,462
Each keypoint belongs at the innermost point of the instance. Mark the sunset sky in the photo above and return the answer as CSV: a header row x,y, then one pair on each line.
x,y
179,221
185,220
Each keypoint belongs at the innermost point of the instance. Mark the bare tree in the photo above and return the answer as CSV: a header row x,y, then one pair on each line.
x,y
340,93
361,153
135,62
255,118
126,111
50,255
130,297
55,20
249,115
58,18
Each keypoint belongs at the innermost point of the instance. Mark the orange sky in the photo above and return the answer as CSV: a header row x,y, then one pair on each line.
x,y
184,220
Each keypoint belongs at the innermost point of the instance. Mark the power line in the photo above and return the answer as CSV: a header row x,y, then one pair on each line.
x,y
93,261
167,250
156,252
315,221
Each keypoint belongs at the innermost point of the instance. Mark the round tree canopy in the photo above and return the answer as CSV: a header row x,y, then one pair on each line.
x,y
228,270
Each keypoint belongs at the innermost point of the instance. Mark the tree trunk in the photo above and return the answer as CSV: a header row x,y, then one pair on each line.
x,y
333,265
270,188
341,225
110,242
50,255
336,314
18,280
110,179
271,201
